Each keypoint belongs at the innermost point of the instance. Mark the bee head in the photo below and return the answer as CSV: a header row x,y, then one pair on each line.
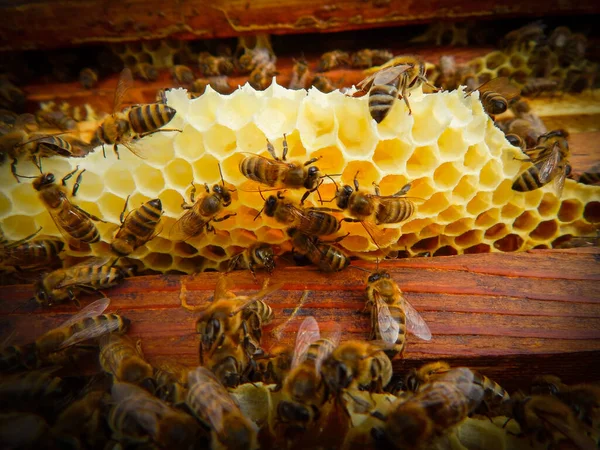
x,y
312,177
293,412
378,275
43,180
271,205
343,196
339,376
265,254
222,192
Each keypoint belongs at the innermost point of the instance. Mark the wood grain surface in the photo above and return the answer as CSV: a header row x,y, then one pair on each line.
x,y
515,315
28,25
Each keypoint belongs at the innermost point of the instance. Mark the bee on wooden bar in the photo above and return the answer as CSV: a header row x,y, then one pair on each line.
x,y
392,316
199,214
401,75
28,254
137,416
124,360
549,161
261,77
322,254
273,367
259,255
324,84
537,86
63,285
137,228
495,95
300,74
88,78
357,365
333,60
212,66
218,84
365,58
311,221
145,71
73,222
182,74
170,378
124,127
442,404
231,361
213,405
590,176
279,173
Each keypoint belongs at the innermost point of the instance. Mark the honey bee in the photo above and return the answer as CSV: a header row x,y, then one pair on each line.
x,y
273,367
590,176
45,146
30,388
212,66
72,221
333,60
26,254
311,221
280,174
323,255
145,71
440,405
259,255
199,214
182,74
533,32
137,415
64,284
528,131
365,58
212,405
300,74
495,95
88,78
515,140
231,361
124,127
373,209
403,74
170,378
123,359
137,228
357,365
549,161
304,391
548,419
392,316
14,141
324,84
261,77
254,57
218,84
537,86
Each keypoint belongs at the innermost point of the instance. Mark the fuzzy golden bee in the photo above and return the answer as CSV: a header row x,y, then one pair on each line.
x,y
260,78
124,360
495,95
213,66
15,141
325,256
28,254
537,86
137,228
55,118
258,256
273,367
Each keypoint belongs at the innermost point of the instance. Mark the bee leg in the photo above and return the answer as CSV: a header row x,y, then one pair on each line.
x,y
312,161
271,151
13,169
356,181
116,150
87,214
77,183
103,151
285,147
225,217
376,186
121,217
338,239
68,176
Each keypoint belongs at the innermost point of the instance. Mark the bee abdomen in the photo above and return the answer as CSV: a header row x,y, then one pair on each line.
x,y
330,259
381,99
589,177
83,230
528,180
256,169
150,117
322,224
394,212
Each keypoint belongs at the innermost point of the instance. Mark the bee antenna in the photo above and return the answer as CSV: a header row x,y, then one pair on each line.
x,y
261,195
358,268
259,213
221,173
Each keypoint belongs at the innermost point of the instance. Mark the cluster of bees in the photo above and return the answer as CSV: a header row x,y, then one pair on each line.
x,y
319,393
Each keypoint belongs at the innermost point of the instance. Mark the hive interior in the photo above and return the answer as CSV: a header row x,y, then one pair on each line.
x,y
460,165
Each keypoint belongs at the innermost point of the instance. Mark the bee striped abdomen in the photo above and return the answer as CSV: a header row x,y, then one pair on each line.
x,y
77,225
260,170
492,391
319,224
397,312
150,117
381,99
528,180
394,211
329,259
138,228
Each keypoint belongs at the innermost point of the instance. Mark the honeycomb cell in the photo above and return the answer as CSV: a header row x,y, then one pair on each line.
x,y
494,60
446,250
238,109
591,212
189,144
184,249
478,248
570,210
532,199
415,225
206,170
172,200
271,235
391,184
391,155
451,214
447,175
119,180
496,231
397,124
431,120
487,218
427,245
461,113
247,212
505,71
437,203
509,243
545,230
158,261
149,181
110,206
406,241
231,169
5,205
479,203
277,116
519,76
220,141
549,205
459,227
475,131
365,172
202,113
490,175
356,132
25,199
130,60
485,76
178,174
469,238
194,264
476,156
510,211
317,122
451,145
58,166
517,61
422,162
93,185
356,243
466,188
20,226
214,253
331,160
503,193
252,140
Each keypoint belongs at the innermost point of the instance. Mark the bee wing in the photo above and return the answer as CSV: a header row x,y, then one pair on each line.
x,y
93,309
389,328
307,334
186,222
502,86
134,147
214,400
389,74
366,82
80,217
549,165
581,440
559,181
125,82
333,337
138,403
93,261
376,234
415,324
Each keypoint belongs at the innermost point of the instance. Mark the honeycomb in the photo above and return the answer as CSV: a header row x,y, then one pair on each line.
x,y
460,165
